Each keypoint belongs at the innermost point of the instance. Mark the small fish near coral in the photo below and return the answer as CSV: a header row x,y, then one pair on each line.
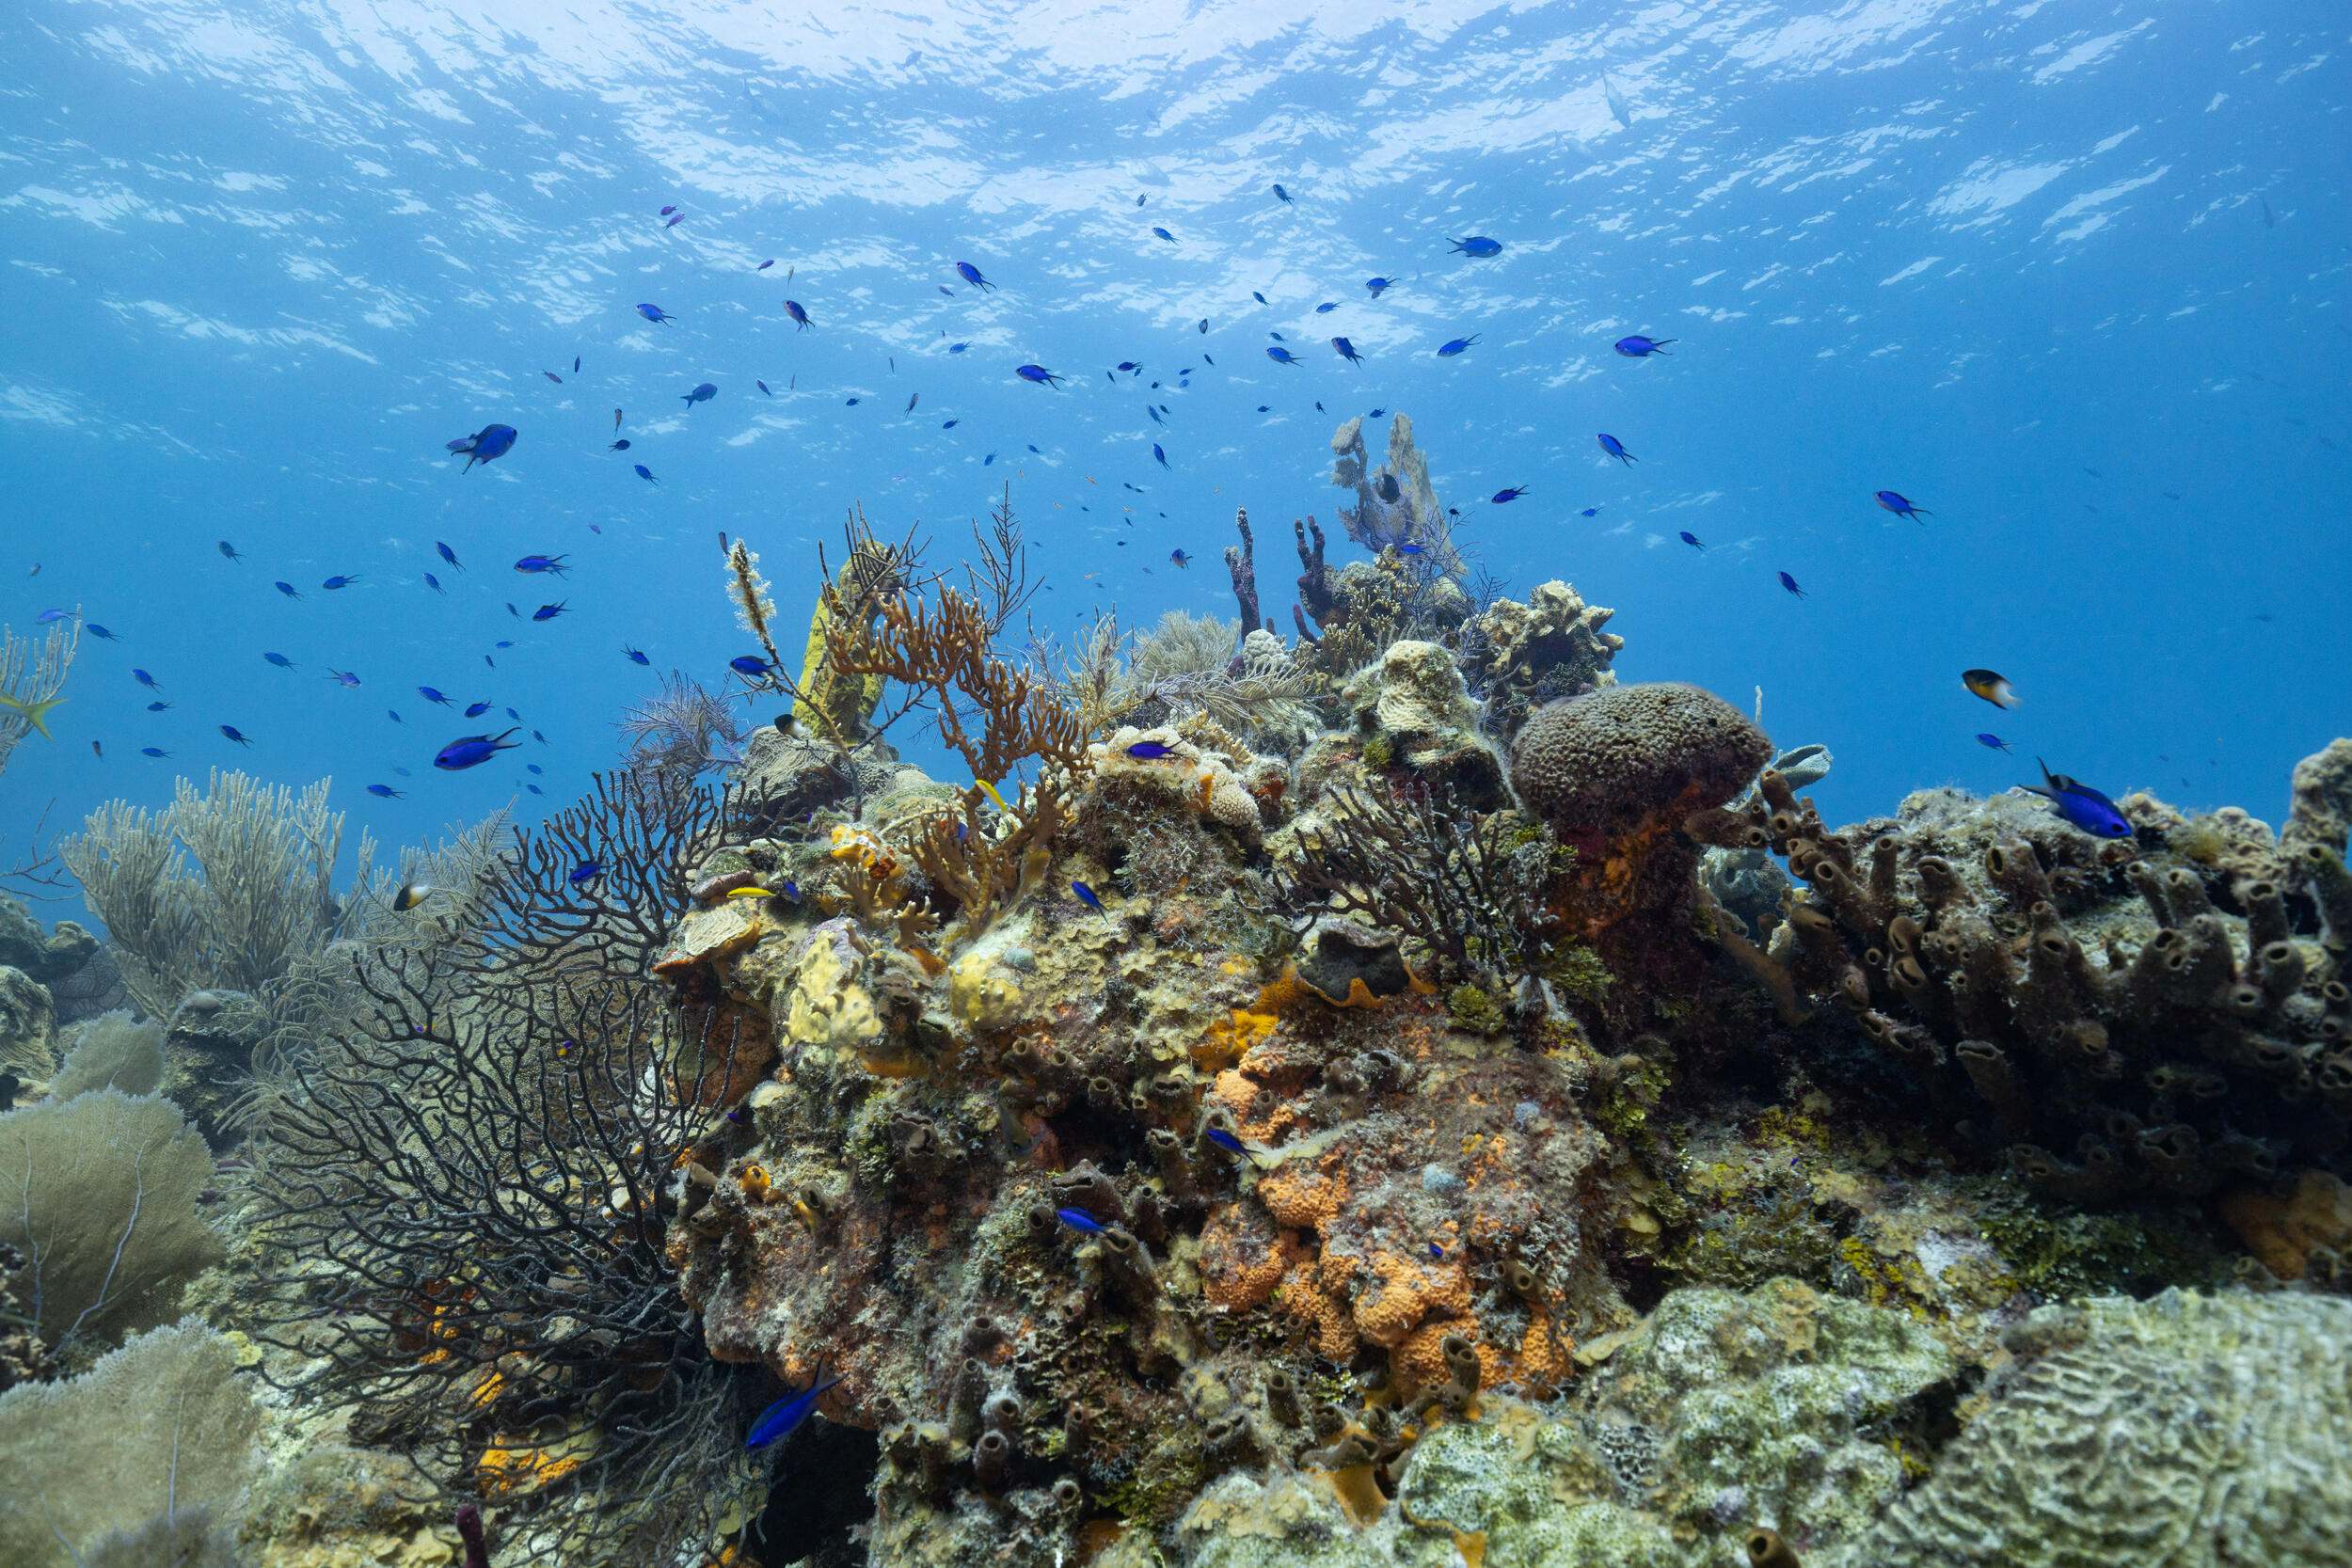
x,y
783,1418
2080,805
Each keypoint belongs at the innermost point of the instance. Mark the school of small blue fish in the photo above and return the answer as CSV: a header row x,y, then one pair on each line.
x,y
494,442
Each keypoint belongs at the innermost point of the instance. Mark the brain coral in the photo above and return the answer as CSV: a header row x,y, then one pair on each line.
x,y
2191,1431
1621,754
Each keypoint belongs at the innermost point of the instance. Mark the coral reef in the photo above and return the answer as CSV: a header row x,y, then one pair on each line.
x,y
1386,1096
2115,1018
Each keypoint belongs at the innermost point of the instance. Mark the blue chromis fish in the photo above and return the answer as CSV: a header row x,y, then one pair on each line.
x,y
1477,245
635,655
99,633
1162,233
783,1418
1895,502
800,317
584,873
435,584
475,710
1079,1219
1503,497
471,751
153,752
279,659
1614,448
1790,583
430,695
1991,685
644,473
1448,350
1087,896
1151,751
2080,805
1233,1146
1987,737
1691,539
656,313
703,392
750,665
492,441
339,581
548,612
1638,347
1281,195
1179,558
449,555
145,679
235,733
386,792
1347,351
542,563
971,274
230,550
763,387
1038,374
1282,356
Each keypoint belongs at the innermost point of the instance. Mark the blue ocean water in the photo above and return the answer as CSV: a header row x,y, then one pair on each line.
x,y
2069,277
